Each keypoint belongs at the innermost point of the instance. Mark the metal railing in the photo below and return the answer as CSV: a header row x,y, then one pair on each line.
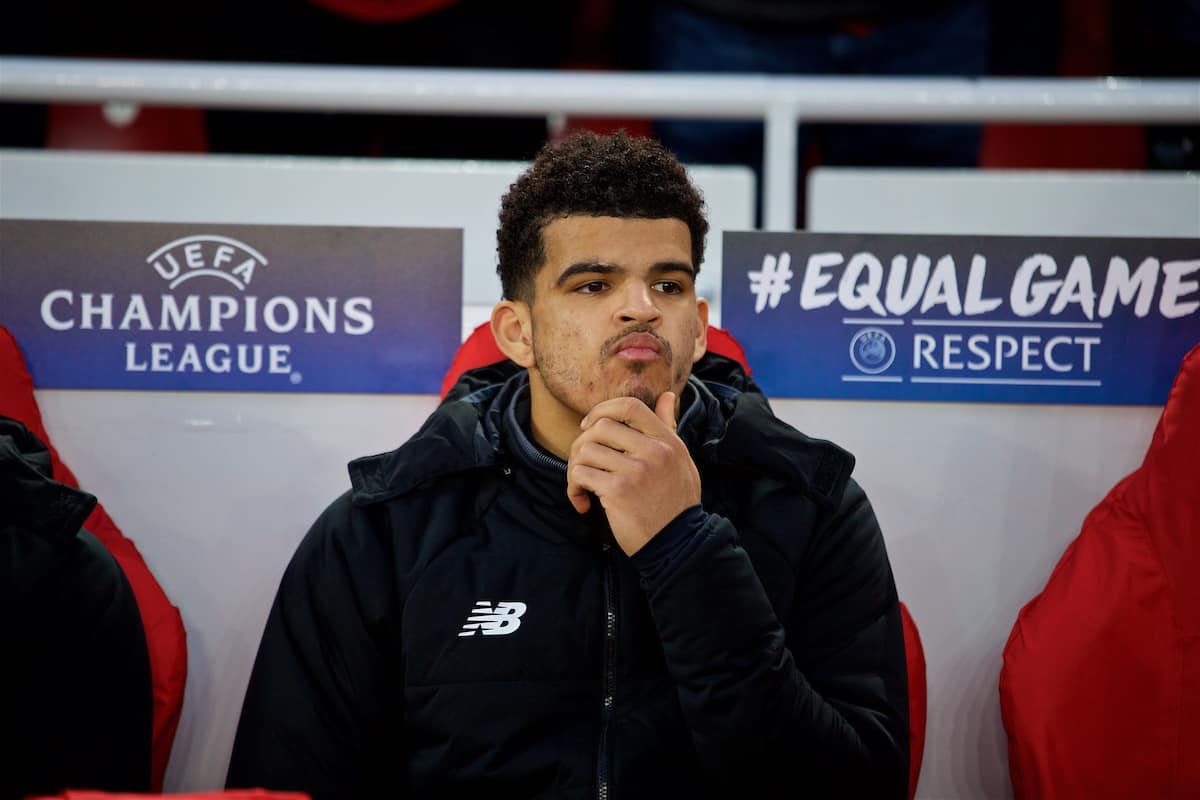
x,y
780,102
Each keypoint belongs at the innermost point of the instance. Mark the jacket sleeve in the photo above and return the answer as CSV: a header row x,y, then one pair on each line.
x,y
820,705
323,706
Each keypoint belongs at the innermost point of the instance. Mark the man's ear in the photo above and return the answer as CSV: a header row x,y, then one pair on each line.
x,y
512,327
701,346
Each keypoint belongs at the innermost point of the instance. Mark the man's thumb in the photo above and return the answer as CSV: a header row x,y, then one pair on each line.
x,y
664,409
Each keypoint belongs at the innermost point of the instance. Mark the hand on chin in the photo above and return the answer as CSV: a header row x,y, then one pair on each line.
x,y
630,457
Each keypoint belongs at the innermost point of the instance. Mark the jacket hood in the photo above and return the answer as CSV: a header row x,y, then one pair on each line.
x,y
739,431
30,499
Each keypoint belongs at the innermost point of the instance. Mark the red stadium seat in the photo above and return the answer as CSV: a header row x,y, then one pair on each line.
x,y
1063,147
914,656
150,129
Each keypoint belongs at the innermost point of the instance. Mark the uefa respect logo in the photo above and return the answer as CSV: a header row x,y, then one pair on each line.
x,y
209,294
872,350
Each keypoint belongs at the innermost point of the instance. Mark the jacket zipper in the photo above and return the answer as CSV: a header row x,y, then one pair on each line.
x,y
610,670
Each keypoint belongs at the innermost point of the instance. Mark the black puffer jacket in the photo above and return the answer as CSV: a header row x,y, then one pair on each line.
x,y
451,627
75,693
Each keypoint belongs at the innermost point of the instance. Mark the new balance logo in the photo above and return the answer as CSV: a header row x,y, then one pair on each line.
x,y
499,621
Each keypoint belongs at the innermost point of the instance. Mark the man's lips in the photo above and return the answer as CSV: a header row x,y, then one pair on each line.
x,y
638,347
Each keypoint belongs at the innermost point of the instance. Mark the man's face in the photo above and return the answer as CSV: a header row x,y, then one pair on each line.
x,y
615,312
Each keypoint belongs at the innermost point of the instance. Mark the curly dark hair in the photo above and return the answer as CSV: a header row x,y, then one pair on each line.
x,y
591,175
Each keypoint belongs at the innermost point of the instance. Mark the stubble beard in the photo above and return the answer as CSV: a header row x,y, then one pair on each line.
x,y
679,373
641,391
558,379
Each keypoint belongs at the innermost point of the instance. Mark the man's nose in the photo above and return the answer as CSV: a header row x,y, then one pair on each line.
x,y
637,305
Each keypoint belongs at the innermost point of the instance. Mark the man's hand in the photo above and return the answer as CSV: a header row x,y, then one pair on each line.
x,y
632,460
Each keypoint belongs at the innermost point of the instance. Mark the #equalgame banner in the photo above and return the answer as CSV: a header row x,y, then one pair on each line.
x,y
114,305
963,318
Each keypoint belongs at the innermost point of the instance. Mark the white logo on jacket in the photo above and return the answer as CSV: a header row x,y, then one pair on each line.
x,y
501,620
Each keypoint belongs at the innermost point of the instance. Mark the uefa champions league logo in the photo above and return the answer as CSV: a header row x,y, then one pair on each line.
x,y
872,350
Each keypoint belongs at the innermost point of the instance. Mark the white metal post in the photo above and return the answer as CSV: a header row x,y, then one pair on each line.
x,y
779,168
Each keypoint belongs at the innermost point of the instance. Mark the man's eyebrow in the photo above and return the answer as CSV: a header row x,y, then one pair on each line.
x,y
601,268
586,268
673,266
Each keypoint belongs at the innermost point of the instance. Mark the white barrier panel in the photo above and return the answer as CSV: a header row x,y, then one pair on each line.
x,y
1005,202
977,502
322,191
217,488
778,100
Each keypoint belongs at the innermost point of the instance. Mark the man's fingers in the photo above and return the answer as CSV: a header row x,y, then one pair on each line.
x,y
589,462
611,434
579,498
631,412
578,493
582,482
601,456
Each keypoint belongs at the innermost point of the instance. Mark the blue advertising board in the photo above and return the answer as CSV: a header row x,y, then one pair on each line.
x,y
114,305
963,318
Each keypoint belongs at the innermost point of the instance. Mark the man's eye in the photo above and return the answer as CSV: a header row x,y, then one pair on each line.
x,y
668,287
591,287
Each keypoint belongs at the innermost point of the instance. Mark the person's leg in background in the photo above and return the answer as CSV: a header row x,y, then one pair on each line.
x,y
950,42
681,39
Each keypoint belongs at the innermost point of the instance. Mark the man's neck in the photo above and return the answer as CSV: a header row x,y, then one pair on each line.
x,y
552,425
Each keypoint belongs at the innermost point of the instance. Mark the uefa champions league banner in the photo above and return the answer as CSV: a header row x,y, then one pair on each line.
x,y
963,318
113,305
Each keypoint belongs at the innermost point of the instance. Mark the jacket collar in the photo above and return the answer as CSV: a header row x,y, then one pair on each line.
x,y
727,423
742,432
30,498
451,441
